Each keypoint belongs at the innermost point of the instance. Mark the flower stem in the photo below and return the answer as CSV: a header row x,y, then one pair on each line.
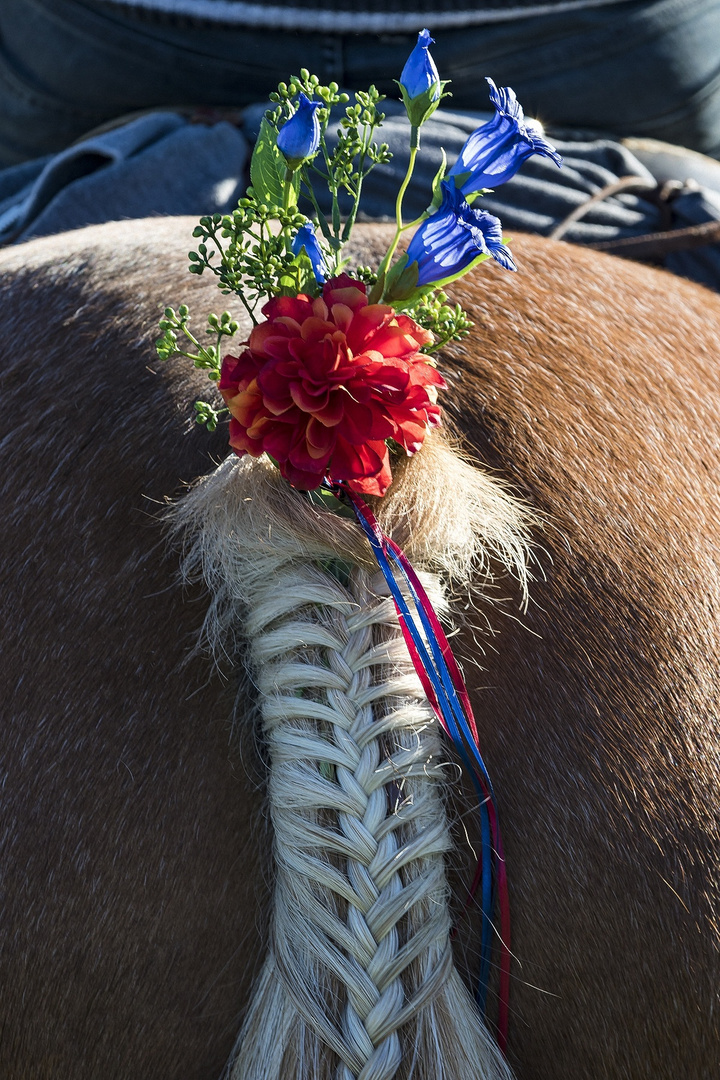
x,y
287,189
350,223
322,220
414,146
418,221
247,307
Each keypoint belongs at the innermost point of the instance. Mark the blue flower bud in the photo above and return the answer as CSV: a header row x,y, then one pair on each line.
x,y
299,137
451,240
496,150
420,73
420,83
305,238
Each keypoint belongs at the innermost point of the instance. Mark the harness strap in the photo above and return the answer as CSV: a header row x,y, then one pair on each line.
x,y
647,246
657,245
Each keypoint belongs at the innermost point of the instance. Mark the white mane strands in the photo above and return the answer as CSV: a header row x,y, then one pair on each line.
x,y
359,983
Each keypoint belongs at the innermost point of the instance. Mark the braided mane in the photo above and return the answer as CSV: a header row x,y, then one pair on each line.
x,y
359,983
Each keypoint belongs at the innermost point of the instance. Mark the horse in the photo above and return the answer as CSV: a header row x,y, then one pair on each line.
x,y
135,846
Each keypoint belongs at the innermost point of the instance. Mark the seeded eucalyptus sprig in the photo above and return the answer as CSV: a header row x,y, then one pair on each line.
x,y
448,322
207,357
253,246
345,166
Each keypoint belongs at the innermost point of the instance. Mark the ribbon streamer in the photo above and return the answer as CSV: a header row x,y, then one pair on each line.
x,y
445,689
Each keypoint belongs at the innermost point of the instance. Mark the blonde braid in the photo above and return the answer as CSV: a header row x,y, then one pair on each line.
x,y
359,983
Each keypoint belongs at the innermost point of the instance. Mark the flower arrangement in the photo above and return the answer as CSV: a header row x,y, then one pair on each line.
x,y
339,370
336,380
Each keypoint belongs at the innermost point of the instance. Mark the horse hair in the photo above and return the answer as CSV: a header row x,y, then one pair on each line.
x,y
135,848
359,983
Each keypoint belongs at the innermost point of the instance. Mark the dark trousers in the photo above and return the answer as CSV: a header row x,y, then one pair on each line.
x,y
650,68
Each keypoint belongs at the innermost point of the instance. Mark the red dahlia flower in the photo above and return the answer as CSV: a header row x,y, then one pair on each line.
x,y
323,383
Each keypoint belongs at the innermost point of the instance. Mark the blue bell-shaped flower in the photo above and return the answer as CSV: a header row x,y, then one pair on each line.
x,y
452,239
497,149
305,238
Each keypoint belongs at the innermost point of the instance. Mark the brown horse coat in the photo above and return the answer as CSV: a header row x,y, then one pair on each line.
x,y
134,854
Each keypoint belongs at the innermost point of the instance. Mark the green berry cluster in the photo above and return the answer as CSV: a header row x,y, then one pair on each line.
x,y
448,322
254,251
250,253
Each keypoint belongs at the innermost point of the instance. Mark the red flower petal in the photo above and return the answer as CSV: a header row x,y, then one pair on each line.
x,y
378,483
274,347
262,332
334,411
363,423
345,290
237,372
294,328
393,340
298,307
373,485
342,316
275,389
325,381
300,478
424,374
280,439
245,405
240,442
320,309
350,462
365,324
315,329
320,439
307,457
410,434
390,379
417,333
308,398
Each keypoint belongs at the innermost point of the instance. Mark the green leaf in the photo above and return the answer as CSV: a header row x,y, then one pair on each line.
x,y
377,290
268,169
420,108
401,281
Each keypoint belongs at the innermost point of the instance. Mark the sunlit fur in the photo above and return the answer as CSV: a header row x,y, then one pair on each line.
x,y
135,850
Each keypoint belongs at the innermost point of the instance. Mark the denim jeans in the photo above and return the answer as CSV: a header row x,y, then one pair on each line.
x,y
636,68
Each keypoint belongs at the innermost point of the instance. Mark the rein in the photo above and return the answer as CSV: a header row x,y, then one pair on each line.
x,y
647,247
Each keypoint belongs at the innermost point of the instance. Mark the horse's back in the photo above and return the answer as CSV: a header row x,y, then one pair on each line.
x,y
129,862
134,855
594,388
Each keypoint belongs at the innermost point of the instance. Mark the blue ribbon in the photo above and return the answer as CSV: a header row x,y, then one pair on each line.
x,y
455,719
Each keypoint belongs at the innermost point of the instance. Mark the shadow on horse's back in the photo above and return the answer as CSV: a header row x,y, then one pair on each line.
x,y
135,854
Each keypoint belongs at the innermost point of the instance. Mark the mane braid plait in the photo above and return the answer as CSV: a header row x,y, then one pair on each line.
x,y
359,982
